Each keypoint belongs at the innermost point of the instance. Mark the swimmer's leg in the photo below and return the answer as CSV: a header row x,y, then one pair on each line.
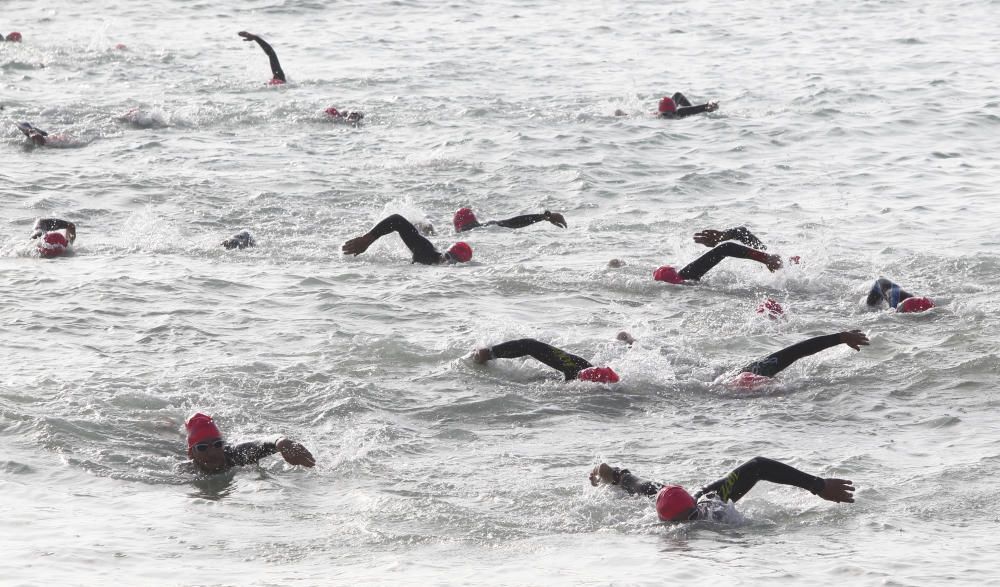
x,y
700,266
568,364
681,100
776,362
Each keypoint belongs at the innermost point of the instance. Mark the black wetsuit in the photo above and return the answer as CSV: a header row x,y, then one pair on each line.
x,y
570,365
684,107
774,363
883,289
732,487
422,249
273,57
43,225
515,222
248,453
240,240
696,269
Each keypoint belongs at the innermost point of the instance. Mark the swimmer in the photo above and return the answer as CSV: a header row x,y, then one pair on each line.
x,y
36,135
241,240
46,225
697,269
348,117
465,219
278,76
675,504
571,366
678,106
897,298
762,370
422,249
210,454
14,37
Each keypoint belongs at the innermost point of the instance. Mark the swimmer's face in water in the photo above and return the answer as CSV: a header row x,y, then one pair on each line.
x,y
209,455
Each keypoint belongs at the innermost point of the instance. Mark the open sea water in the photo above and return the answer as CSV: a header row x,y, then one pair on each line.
x,y
860,135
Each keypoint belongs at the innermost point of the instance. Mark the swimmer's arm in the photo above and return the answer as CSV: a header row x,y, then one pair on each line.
x,y
248,453
529,219
710,237
608,475
690,110
271,55
736,484
43,225
70,232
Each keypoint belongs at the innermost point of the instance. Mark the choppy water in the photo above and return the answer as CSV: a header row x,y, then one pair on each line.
x,y
859,135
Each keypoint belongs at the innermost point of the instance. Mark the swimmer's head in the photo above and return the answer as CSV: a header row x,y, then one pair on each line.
x,y
598,375
14,37
915,305
205,444
276,82
459,252
121,47
53,244
667,106
201,428
668,274
748,381
331,111
674,504
772,308
464,219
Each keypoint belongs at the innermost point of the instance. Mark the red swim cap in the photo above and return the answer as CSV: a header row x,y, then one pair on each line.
x,y
14,37
461,252
772,308
748,381
463,218
53,244
121,46
201,428
915,305
275,82
598,375
667,105
668,274
674,504
332,112
795,259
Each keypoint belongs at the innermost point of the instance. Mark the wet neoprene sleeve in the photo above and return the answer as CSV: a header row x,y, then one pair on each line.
x,y
774,363
422,249
47,224
742,479
696,269
634,485
689,110
273,57
248,453
570,365
518,221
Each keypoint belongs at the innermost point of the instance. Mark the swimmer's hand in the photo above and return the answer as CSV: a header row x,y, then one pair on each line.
x,y
482,356
294,453
773,263
356,246
555,218
247,36
709,237
602,474
711,107
837,490
854,339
